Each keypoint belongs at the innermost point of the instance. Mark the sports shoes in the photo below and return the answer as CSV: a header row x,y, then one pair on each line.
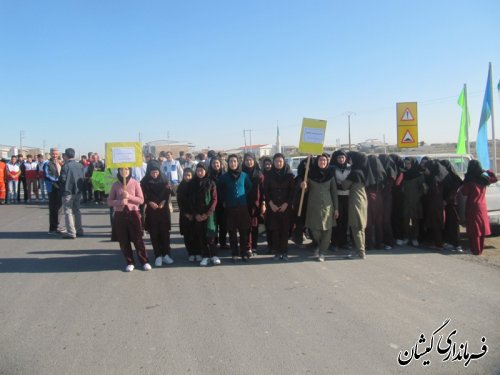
x,y
276,257
414,243
459,249
215,260
316,253
167,259
158,262
129,268
362,255
146,267
191,258
52,232
199,258
387,247
284,257
321,258
402,242
67,236
204,262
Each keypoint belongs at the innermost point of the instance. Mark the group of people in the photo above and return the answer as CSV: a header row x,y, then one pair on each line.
x,y
344,200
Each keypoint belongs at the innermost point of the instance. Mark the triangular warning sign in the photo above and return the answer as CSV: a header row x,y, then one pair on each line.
x,y
407,116
407,138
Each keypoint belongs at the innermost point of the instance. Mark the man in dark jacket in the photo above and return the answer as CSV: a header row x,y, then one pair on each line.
x,y
71,180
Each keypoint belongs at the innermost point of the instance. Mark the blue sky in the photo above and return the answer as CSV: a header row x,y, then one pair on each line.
x,y
82,73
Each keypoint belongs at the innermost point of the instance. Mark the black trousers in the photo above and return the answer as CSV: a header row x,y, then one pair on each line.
x,y
55,204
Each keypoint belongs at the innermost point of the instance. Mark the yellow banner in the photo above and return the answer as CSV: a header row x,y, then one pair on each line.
x,y
312,136
123,154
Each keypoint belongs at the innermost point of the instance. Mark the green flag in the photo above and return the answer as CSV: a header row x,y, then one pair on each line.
x,y
463,135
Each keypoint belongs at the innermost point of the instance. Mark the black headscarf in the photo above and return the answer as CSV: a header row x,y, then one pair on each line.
x,y
280,173
359,165
214,174
376,173
414,171
334,162
318,174
452,181
201,183
437,171
120,177
235,173
301,169
254,173
475,173
154,188
390,167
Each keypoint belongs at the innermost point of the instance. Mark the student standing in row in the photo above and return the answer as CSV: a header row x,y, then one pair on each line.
x,y
322,206
125,198
279,191
156,191
234,187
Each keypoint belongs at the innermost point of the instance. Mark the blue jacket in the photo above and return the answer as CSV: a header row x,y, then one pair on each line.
x,y
234,191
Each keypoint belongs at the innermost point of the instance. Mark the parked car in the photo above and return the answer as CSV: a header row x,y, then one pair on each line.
x,y
293,162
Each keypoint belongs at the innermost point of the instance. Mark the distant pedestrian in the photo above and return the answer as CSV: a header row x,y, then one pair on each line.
x,y
13,173
52,171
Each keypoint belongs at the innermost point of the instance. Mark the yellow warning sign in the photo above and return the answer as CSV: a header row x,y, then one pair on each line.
x,y
407,136
407,113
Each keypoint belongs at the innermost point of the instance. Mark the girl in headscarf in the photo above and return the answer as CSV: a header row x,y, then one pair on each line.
x,y
435,174
157,190
358,203
341,169
234,187
322,204
392,173
397,199
215,171
127,221
278,190
413,190
374,188
203,201
476,212
185,218
256,204
451,184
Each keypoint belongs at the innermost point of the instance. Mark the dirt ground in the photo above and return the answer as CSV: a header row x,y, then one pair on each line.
x,y
491,252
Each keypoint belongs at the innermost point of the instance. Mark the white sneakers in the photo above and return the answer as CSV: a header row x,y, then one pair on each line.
x,y
414,243
129,268
158,262
199,258
191,258
321,258
402,242
204,262
215,260
146,267
167,259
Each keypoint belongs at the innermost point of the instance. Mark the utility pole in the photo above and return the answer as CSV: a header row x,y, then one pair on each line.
x,y
245,138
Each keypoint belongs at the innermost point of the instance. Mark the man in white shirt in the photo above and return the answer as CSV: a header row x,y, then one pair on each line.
x,y
172,170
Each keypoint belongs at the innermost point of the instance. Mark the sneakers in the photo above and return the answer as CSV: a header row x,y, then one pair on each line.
x,y
362,255
204,262
459,249
167,259
146,267
316,253
284,257
276,257
52,232
387,247
67,236
321,258
158,262
402,242
414,243
199,258
129,268
215,260
191,258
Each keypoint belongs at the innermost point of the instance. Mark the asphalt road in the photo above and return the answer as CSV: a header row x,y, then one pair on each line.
x,y
67,307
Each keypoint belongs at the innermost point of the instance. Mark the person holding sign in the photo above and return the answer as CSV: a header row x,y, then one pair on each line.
x,y
125,197
322,204
156,190
279,191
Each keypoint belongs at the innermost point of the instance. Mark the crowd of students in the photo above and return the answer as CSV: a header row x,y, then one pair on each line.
x,y
347,200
